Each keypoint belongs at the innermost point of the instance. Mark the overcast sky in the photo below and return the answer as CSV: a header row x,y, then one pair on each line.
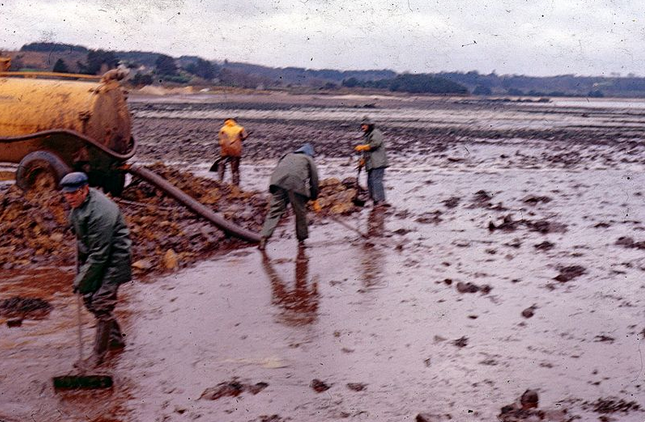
x,y
530,37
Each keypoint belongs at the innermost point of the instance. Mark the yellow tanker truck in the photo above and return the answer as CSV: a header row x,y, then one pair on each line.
x,y
50,127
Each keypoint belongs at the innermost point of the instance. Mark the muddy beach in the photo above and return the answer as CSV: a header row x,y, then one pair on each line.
x,y
511,260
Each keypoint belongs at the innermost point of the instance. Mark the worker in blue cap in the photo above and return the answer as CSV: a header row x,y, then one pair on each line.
x,y
294,181
103,259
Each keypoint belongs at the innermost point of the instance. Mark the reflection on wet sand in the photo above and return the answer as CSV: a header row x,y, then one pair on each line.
x,y
299,305
45,345
373,259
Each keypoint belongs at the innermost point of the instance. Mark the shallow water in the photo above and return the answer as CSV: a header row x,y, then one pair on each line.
x,y
378,312
386,312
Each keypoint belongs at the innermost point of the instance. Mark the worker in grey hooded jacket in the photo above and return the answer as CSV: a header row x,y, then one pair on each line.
x,y
103,258
294,181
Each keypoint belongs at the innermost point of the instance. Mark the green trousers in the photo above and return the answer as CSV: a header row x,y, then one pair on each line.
x,y
278,205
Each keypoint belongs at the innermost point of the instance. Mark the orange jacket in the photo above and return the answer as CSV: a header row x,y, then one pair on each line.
x,y
231,136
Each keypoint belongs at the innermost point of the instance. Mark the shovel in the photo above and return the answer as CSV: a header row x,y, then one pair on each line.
x,y
81,380
357,200
215,165
347,226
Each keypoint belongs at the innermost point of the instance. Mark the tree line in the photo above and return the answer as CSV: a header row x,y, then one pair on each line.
x,y
148,68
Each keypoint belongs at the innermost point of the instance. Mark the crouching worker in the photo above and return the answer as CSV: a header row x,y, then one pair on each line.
x,y
103,259
294,181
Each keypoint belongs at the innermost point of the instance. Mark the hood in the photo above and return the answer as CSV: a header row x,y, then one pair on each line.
x,y
306,149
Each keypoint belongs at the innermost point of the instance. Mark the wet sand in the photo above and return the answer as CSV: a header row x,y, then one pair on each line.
x,y
459,301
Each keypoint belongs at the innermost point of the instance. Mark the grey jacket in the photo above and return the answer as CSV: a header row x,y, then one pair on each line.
x,y
376,157
296,172
103,243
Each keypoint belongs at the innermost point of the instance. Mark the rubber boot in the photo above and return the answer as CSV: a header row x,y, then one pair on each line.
x,y
101,340
263,243
116,337
221,168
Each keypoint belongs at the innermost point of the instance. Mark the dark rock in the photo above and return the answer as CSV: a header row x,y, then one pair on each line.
x,y
433,217
356,386
271,418
569,273
628,242
467,287
232,388
461,342
256,388
451,202
534,200
427,417
544,227
319,386
544,246
507,224
482,197
15,322
612,405
529,312
529,399
23,307
225,389
473,288
625,241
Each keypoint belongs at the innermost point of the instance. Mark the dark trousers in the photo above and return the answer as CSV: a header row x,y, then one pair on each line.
x,y
279,201
375,184
235,169
101,304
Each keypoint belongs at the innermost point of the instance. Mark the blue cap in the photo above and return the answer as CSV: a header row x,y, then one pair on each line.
x,y
306,149
73,181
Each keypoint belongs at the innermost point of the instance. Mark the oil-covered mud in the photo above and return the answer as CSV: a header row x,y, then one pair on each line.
x,y
505,282
166,236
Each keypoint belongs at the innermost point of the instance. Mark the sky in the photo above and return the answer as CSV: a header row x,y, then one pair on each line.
x,y
522,37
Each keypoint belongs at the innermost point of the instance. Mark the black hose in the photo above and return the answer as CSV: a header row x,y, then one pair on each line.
x,y
194,205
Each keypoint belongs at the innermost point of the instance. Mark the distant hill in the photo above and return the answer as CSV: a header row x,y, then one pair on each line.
x,y
300,76
50,47
43,56
551,86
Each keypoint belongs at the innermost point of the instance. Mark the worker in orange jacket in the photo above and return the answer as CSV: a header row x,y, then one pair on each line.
x,y
231,136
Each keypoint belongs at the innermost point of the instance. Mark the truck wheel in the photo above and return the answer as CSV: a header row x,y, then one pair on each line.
x,y
40,170
114,183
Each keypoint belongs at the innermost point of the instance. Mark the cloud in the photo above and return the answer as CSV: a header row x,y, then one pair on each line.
x,y
540,37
